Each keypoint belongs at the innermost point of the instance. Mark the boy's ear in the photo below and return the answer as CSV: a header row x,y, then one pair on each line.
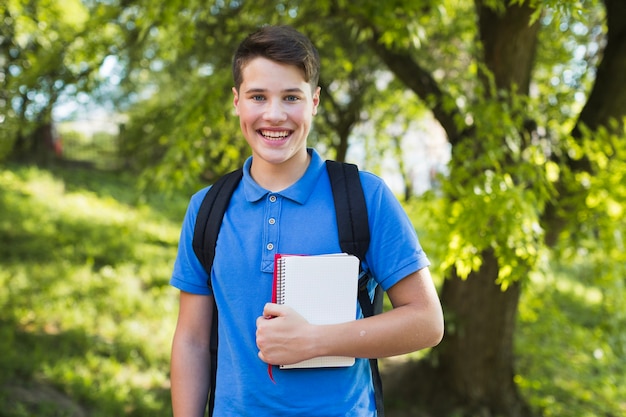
x,y
316,99
236,100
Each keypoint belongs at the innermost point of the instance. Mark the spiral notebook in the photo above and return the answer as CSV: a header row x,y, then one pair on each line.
x,y
323,289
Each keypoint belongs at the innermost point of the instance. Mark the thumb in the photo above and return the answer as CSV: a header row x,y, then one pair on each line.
x,y
273,310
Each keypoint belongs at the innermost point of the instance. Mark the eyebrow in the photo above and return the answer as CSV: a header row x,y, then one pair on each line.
x,y
263,90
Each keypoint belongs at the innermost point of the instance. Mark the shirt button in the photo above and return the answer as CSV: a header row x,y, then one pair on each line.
x,y
272,221
273,198
270,246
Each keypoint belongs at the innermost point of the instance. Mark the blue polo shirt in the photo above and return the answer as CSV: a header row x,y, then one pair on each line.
x,y
298,220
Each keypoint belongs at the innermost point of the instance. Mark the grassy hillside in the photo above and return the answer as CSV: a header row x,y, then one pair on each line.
x,y
87,315
86,305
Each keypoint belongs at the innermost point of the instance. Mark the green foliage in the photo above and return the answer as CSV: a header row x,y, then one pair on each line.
x,y
570,44
568,365
596,228
87,306
497,190
569,338
100,150
50,51
178,145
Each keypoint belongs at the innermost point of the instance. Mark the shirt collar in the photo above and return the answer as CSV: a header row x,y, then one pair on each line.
x,y
298,192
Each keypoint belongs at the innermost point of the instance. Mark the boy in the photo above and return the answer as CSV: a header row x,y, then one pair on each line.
x,y
284,204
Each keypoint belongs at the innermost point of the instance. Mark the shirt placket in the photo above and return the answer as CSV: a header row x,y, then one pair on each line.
x,y
270,244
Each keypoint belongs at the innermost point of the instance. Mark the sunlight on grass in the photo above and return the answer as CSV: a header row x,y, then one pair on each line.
x,y
566,367
87,294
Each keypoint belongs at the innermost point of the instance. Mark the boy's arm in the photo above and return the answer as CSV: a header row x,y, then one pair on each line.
x,y
190,362
414,323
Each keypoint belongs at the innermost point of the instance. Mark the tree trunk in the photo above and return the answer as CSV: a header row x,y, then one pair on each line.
x,y
477,356
471,372
509,44
37,146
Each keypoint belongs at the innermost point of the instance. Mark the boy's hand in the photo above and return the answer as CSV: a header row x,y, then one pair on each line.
x,y
283,336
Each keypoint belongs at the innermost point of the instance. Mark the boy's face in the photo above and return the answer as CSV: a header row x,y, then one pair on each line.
x,y
275,106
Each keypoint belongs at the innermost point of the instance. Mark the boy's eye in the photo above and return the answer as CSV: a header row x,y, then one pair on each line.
x,y
292,98
258,98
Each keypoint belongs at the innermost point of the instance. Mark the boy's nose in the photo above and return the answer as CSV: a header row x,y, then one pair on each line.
x,y
275,111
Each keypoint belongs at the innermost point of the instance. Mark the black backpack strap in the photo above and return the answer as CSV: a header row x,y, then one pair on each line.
x,y
353,228
369,308
354,238
210,215
208,223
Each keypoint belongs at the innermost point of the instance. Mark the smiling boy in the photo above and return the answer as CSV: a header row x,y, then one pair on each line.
x,y
284,204
275,105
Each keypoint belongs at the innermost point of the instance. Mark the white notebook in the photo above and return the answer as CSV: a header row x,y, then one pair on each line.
x,y
323,289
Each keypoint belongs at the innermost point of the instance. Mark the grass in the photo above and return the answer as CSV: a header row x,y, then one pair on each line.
x,y
570,351
86,305
87,315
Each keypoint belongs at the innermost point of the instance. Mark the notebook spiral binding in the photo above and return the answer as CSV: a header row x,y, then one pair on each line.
x,y
280,285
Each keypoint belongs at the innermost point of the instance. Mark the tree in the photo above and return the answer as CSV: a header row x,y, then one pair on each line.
x,y
49,50
498,200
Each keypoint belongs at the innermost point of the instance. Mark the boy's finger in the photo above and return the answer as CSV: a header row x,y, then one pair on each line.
x,y
272,310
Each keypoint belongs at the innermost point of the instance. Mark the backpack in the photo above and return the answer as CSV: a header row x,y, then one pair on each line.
x,y
354,237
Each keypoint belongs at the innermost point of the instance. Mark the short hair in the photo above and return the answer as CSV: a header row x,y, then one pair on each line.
x,y
282,44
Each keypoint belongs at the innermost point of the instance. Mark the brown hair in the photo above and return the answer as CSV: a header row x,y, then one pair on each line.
x,y
281,44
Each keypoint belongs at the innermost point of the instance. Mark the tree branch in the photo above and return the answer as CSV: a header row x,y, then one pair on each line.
x,y
421,83
607,100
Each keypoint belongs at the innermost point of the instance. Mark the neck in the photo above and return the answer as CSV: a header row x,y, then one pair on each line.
x,y
277,177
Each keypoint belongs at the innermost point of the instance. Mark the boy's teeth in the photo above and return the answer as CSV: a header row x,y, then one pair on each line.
x,y
276,135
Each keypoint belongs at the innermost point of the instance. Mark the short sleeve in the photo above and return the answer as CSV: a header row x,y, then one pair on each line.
x,y
188,274
395,251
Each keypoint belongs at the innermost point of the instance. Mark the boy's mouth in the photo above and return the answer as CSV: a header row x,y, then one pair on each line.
x,y
274,134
